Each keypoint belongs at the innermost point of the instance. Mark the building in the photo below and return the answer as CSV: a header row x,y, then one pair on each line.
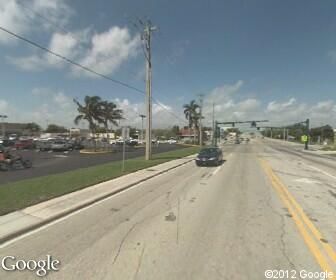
x,y
16,128
188,134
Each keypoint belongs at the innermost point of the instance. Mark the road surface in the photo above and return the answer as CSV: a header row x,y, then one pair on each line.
x,y
263,209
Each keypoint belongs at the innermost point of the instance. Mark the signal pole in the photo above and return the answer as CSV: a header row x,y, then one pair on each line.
x,y
201,129
146,37
307,133
213,124
142,130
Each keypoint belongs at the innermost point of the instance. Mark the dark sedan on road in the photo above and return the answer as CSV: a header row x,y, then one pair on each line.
x,y
209,156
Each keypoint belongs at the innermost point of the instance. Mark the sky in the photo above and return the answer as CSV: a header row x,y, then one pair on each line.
x,y
255,59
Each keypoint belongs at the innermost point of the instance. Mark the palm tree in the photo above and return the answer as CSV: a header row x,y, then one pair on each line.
x,y
110,114
190,112
90,111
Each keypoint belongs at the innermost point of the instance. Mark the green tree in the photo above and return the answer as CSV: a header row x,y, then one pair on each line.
x,y
91,111
110,114
33,127
192,115
176,130
54,128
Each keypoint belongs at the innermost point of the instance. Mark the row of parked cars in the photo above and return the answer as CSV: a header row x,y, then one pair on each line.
x,y
41,144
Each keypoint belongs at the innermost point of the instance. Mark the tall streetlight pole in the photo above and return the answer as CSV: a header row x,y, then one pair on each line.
x,y
142,130
3,117
146,37
213,124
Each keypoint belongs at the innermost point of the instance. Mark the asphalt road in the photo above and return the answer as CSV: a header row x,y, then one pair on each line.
x,y
227,222
45,163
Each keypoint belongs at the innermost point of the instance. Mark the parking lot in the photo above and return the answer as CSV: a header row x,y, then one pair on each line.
x,y
47,163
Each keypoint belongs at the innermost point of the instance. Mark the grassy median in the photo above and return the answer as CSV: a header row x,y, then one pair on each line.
x,y
20,194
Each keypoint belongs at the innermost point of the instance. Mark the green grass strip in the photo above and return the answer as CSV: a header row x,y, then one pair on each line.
x,y
20,194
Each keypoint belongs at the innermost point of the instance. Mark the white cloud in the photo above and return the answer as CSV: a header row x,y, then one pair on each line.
x,y
58,107
163,115
276,107
103,52
3,106
20,18
228,107
109,50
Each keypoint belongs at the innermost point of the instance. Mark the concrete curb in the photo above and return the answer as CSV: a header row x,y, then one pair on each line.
x,y
68,211
95,152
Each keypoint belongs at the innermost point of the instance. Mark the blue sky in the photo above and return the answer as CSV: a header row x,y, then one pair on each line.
x,y
254,59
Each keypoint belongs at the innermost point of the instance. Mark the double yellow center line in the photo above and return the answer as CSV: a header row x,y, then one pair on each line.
x,y
317,244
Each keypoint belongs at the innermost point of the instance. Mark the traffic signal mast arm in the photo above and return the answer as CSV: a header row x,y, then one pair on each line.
x,y
232,123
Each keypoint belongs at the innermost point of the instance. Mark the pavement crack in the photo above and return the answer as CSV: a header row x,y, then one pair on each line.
x,y
283,232
122,243
139,262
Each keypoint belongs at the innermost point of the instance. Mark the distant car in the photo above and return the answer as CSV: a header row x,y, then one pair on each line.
x,y
60,146
209,156
7,143
132,142
75,145
43,145
24,144
12,137
237,141
172,141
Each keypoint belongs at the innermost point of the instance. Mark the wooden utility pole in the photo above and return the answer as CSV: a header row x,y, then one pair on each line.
x,y
146,37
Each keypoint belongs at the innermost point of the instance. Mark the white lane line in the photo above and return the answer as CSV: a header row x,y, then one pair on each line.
x,y
320,170
216,170
11,241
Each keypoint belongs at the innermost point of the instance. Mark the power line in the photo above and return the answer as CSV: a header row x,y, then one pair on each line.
x,y
82,66
169,111
70,60
59,27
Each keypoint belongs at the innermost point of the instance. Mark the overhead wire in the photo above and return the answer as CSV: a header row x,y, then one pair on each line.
x,y
85,68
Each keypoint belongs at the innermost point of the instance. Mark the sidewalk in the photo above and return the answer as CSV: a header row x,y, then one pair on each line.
x,y
313,149
22,221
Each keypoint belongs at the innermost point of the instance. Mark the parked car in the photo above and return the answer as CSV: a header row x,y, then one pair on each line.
x,y
60,146
209,156
43,145
172,141
75,145
132,142
24,144
7,143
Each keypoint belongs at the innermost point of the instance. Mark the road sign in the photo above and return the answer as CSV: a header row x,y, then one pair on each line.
x,y
304,138
125,132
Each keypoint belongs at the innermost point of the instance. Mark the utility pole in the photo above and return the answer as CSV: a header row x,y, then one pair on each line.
x,y
142,130
146,37
3,117
215,133
307,133
200,126
213,124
